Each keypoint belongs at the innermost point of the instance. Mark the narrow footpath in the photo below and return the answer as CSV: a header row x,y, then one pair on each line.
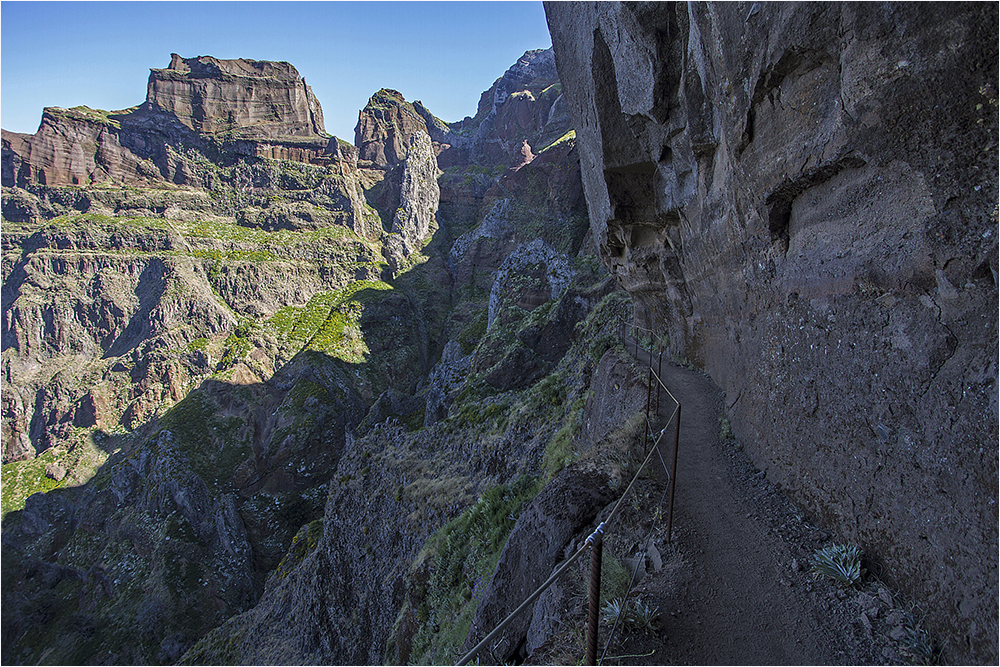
x,y
735,587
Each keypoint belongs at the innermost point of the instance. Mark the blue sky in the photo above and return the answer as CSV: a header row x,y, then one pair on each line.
x,y
99,53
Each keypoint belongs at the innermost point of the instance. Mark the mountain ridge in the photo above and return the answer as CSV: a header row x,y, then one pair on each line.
x,y
201,330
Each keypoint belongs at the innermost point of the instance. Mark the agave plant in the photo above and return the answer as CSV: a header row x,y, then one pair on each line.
x,y
634,614
840,562
643,617
915,642
613,610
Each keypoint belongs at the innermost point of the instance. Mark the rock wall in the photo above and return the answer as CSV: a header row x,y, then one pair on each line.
x,y
385,127
254,98
804,197
418,200
196,108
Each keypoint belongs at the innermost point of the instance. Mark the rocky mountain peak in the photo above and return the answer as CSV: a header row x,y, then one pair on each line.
x,y
385,127
534,67
254,107
249,98
207,66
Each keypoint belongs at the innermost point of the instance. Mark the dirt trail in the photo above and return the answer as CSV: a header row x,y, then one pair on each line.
x,y
735,587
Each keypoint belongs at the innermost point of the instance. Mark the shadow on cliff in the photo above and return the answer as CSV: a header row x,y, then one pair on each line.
x,y
196,507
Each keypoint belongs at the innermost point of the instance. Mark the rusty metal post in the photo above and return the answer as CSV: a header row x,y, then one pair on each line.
x,y
595,598
659,380
649,402
673,475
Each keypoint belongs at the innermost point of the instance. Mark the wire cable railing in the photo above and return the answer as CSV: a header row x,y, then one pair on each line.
x,y
594,541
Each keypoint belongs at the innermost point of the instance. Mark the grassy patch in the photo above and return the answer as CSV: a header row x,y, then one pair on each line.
x,y
329,322
474,414
21,479
198,345
86,114
465,552
600,328
470,336
559,452
235,255
303,544
569,136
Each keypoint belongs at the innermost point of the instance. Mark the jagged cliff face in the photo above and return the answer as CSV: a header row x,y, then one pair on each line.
x,y
250,98
525,104
803,197
385,126
225,333
203,107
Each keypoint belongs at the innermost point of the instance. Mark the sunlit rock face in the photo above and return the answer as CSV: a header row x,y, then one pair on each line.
x,y
256,98
418,201
803,197
385,126
241,108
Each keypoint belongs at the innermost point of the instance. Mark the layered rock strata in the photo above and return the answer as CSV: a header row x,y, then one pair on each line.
x,y
200,354
255,99
803,197
236,107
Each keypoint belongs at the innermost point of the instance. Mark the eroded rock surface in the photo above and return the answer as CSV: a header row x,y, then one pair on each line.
x,y
219,321
804,198
535,546
195,108
253,98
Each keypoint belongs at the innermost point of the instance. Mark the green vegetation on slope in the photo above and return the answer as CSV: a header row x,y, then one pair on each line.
x,y
464,554
23,478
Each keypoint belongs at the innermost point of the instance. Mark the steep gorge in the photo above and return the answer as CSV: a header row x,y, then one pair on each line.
x,y
217,319
288,396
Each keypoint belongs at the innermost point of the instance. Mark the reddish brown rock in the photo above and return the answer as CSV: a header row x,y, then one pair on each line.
x,y
523,156
385,127
251,98
92,410
260,108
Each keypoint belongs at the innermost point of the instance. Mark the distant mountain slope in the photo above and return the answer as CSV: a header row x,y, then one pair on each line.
x,y
212,310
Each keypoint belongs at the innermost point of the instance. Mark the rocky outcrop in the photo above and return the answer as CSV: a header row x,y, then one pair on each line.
x,y
804,197
183,563
200,353
252,99
215,108
540,198
525,103
70,317
77,146
535,546
385,128
99,305
418,201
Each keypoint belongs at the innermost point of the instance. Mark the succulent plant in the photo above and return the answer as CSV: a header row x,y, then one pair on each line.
x,y
840,562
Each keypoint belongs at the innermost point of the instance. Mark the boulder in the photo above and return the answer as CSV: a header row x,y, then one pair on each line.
x,y
535,546
55,471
